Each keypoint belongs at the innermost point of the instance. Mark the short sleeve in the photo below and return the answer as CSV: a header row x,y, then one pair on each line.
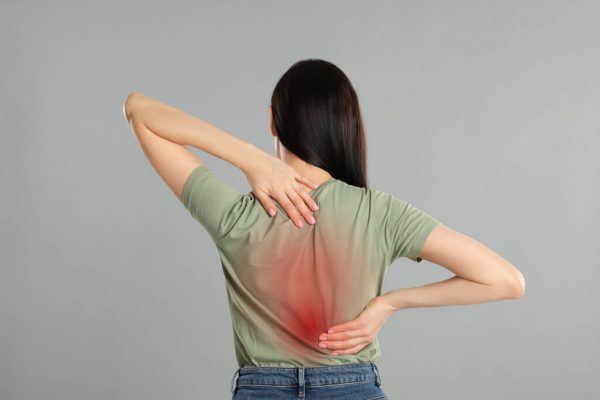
x,y
211,201
406,228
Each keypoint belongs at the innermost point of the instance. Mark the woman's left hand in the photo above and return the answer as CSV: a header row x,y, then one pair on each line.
x,y
272,178
351,337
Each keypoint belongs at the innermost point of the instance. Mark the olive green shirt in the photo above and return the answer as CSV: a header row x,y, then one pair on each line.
x,y
287,285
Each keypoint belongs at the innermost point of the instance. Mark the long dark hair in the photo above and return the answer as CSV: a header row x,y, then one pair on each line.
x,y
317,117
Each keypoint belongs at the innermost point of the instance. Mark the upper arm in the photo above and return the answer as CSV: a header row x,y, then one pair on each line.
x,y
209,199
172,161
469,258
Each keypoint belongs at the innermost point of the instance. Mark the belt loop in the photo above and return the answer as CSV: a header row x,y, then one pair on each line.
x,y
301,388
234,381
376,371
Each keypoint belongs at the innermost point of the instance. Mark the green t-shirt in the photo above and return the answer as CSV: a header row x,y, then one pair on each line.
x,y
287,285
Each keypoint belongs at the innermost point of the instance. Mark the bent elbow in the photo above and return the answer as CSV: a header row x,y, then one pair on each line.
x,y
128,105
517,288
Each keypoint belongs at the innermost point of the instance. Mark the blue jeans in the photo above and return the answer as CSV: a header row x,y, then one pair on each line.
x,y
340,382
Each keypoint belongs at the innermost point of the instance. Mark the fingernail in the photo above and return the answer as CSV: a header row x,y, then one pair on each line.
x,y
335,353
311,219
330,331
300,223
322,344
322,337
271,211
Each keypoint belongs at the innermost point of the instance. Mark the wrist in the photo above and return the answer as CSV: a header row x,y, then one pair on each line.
x,y
385,303
246,156
391,300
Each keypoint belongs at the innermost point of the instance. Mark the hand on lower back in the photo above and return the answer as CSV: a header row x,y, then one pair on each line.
x,y
352,336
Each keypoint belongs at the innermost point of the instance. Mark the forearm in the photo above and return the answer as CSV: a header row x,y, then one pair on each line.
x,y
452,291
180,127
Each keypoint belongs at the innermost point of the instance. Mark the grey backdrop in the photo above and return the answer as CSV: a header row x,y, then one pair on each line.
x,y
484,114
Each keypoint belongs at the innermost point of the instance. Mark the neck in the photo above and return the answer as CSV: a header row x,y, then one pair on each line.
x,y
313,173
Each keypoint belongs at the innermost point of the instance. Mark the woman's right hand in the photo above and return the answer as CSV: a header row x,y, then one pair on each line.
x,y
352,336
271,178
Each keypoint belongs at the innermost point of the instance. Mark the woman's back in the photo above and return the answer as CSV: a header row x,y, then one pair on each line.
x,y
287,285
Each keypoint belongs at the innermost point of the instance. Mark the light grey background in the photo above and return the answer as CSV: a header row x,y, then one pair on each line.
x,y
484,114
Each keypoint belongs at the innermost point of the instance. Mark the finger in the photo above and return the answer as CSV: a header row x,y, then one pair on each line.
x,y
345,335
266,203
307,182
354,350
309,200
346,326
301,206
343,344
289,209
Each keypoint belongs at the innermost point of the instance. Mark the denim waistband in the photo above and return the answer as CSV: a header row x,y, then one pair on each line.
x,y
306,376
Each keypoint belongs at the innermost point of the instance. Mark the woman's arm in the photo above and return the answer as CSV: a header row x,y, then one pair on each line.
x,y
164,131
481,276
182,128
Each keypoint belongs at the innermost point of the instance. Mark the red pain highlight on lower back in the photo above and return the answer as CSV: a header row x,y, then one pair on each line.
x,y
310,290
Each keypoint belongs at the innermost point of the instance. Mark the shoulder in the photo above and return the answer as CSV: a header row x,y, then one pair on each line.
x,y
370,195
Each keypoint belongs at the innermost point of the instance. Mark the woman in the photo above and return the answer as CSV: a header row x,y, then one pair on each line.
x,y
305,300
